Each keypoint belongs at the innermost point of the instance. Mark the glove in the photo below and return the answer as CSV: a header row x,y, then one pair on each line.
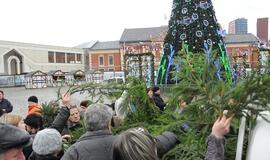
x,y
184,127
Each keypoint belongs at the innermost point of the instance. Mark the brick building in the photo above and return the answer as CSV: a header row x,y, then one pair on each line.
x,y
109,56
262,30
142,40
238,45
105,56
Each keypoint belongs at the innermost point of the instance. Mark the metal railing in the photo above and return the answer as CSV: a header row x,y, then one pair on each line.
x,y
12,80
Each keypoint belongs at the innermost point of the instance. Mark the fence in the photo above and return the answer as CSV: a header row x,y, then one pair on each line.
x,y
12,80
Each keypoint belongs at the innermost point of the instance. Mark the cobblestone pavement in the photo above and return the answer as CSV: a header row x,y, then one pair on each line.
x,y
18,97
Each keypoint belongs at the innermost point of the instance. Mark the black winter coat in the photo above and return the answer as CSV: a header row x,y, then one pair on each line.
x,y
159,102
5,104
62,124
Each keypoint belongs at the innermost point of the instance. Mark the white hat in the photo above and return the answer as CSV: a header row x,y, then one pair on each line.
x,y
47,141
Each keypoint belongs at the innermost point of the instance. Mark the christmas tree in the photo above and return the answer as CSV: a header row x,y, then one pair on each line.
x,y
194,24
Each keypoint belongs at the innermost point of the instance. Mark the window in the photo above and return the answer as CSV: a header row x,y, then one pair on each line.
x,y
51,57
60,57
79,58
101,60
111,60
70,58
101,70
110,69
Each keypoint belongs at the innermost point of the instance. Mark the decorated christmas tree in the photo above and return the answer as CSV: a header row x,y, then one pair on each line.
x,y
194,24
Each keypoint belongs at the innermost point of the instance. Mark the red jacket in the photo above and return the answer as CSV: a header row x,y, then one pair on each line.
x,y
35,108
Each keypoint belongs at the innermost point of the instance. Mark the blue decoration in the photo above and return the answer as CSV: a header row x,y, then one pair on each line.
x,y
208,52
171,59
218,67
221,32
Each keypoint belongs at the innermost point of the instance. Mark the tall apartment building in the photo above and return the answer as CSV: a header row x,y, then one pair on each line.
x,y
262,29
238,26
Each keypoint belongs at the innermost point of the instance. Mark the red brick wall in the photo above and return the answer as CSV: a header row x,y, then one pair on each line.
x,y
236,53
94,61
154,47
262,29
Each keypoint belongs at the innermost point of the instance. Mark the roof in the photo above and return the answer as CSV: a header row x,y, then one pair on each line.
x,y
53,72
142,34
76,72
35,73
89,71
106,45
241,38
38,46
86,45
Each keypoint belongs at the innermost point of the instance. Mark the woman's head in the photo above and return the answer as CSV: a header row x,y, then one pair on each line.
x,y
135,144
156,90
182,103
84,104
12,119
149,92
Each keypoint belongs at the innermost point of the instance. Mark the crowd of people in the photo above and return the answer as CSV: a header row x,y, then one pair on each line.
x,y
26,138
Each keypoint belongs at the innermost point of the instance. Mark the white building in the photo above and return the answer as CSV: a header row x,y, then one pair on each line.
x,y
17,58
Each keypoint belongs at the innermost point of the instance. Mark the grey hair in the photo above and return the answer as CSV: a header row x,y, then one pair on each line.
x,y
98,117
135,144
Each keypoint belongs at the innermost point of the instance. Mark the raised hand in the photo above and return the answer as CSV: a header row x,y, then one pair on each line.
x,y
222,126
66,99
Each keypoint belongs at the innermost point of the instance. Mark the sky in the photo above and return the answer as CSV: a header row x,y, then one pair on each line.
x,y
72,22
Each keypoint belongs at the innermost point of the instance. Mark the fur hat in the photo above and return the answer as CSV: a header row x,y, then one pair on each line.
x,y
34,120
48,141
33,99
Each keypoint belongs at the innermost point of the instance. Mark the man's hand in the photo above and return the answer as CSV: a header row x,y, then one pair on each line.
x,y
66,138
221,127
66,100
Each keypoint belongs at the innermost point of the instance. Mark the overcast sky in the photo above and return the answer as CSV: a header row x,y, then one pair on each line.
x,y
71,22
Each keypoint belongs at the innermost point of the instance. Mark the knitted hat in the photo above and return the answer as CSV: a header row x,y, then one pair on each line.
x,y
156,88
13,137
48,141
33,99
34,120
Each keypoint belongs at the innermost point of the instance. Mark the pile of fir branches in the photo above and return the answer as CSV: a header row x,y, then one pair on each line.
x,y
206,96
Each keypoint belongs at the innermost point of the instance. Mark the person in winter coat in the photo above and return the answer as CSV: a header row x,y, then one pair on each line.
x,y
12,141
33,106
119,103
138,144
68,117
97,142
5,105
33,125
157,99
47,145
